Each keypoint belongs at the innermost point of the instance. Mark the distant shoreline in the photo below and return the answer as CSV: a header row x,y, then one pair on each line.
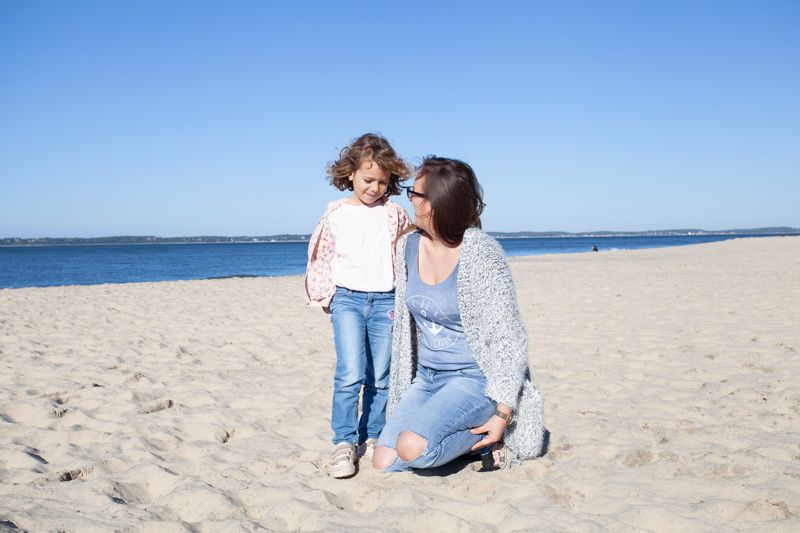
x,y
132,243
295,238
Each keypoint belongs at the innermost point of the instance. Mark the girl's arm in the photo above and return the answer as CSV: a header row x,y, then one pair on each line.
x,y
318,283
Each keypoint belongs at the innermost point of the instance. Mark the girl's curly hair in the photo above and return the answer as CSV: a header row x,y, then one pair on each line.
x,y
368,147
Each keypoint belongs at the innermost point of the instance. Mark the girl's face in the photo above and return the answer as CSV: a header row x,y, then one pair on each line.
x,y
422,207
369,183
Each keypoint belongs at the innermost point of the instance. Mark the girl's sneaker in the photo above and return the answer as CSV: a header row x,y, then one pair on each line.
x,y
366,448
343,461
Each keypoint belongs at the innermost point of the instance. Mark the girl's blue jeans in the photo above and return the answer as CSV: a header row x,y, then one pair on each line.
x,y
362,334
441,406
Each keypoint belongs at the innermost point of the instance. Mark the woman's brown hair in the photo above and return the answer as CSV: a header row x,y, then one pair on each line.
x,y
368,147
455,197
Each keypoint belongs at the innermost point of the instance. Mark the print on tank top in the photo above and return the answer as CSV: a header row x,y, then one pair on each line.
x,y
435,326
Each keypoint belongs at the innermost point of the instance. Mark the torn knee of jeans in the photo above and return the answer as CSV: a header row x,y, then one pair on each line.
x,y
383,457
410,445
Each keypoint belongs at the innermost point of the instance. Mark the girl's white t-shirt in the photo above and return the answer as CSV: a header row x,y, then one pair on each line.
x,y
362,259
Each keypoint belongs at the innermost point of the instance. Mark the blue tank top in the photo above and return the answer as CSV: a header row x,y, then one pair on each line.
x,y
441,341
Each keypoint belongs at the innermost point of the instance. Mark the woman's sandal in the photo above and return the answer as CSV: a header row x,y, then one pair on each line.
x,y
499,458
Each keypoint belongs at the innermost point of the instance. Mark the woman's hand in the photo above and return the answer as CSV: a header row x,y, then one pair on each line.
x,y
493,428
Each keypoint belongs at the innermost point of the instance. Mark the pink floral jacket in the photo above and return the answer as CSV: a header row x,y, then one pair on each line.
x,y
319,285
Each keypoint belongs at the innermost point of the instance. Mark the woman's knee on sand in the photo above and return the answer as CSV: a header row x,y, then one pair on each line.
x,y
409,446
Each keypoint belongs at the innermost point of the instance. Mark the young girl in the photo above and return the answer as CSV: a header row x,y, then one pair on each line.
x,y
350,274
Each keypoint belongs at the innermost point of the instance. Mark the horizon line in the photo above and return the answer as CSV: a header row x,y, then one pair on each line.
x,y
305,236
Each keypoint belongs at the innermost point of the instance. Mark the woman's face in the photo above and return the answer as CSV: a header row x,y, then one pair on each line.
x,y
422,208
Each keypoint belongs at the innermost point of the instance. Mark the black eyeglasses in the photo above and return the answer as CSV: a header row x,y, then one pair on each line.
x,y
411,193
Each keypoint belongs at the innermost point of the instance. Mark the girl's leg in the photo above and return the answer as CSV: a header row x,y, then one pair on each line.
x,y
379,353
349,336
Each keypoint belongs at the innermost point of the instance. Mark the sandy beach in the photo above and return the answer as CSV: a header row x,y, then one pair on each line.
x,y
670,379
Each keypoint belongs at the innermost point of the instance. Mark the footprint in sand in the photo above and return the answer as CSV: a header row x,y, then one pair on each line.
x,y
557,451
157,406
224,435
562,497
726,472
135,377
758,510
773,509
669,456
58,400
638,458
792,473
78,473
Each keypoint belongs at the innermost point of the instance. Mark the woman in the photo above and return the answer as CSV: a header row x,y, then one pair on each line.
x,y
459,374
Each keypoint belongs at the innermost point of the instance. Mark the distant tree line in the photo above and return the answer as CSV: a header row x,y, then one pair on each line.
x,y
649,233
292,237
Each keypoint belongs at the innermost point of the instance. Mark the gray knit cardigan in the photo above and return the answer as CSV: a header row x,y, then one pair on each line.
x,y
494,331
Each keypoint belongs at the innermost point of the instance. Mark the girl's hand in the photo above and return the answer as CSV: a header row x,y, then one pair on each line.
x,y
493,428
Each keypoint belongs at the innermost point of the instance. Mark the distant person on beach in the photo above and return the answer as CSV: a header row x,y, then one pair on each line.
x,y
350,274
594,248
459,381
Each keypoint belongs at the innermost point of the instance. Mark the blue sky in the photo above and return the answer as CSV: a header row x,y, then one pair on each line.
x,y
218,118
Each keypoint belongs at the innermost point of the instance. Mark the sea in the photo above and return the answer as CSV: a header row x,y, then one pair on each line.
x,y
46,266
